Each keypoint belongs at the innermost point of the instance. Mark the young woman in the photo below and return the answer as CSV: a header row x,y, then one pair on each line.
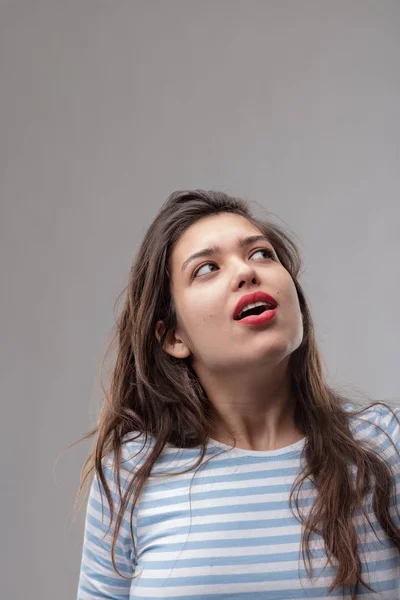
x,y
224,466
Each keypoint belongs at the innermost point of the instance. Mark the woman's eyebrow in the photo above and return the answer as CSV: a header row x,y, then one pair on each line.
x,y
215,249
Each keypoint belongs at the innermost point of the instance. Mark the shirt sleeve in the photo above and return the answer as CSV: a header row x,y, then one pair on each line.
x,y
391,426
98,578
391,452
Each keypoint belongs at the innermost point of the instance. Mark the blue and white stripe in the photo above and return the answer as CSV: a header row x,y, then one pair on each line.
x,y
227,531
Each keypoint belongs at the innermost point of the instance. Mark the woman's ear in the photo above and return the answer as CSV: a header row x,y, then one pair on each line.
x,y
159,330
173,344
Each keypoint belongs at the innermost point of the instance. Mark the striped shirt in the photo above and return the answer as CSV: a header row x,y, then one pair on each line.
x,y
226,531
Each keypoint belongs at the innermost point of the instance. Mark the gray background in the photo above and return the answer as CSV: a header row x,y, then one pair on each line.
x,y
106,108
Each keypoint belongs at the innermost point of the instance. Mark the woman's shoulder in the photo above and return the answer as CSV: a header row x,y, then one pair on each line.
x,y
134,447
375,421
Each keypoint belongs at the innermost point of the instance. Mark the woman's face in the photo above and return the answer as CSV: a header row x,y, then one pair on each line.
x,y
206,289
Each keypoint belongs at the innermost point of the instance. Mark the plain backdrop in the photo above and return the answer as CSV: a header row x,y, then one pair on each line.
x,y
106,107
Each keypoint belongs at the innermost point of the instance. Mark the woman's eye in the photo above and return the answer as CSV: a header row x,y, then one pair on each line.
x,y
267,250
269,253
199,269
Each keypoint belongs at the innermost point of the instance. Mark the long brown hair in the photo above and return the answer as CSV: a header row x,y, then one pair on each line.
x,y
156,394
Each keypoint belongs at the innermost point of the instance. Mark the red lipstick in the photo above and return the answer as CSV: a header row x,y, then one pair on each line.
x,y
259,296
267,315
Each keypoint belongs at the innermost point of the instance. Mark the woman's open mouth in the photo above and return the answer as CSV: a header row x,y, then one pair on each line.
x,y
257,315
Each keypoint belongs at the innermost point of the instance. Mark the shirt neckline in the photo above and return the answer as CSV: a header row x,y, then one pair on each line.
x,y
296,446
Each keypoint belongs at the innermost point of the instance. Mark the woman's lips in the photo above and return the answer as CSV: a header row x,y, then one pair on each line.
x,y
258,296
264,317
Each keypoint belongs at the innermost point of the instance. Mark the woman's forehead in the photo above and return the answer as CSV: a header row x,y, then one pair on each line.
x,y
223,230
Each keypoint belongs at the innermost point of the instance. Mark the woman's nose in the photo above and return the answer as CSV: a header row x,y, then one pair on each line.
x,y
245,274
